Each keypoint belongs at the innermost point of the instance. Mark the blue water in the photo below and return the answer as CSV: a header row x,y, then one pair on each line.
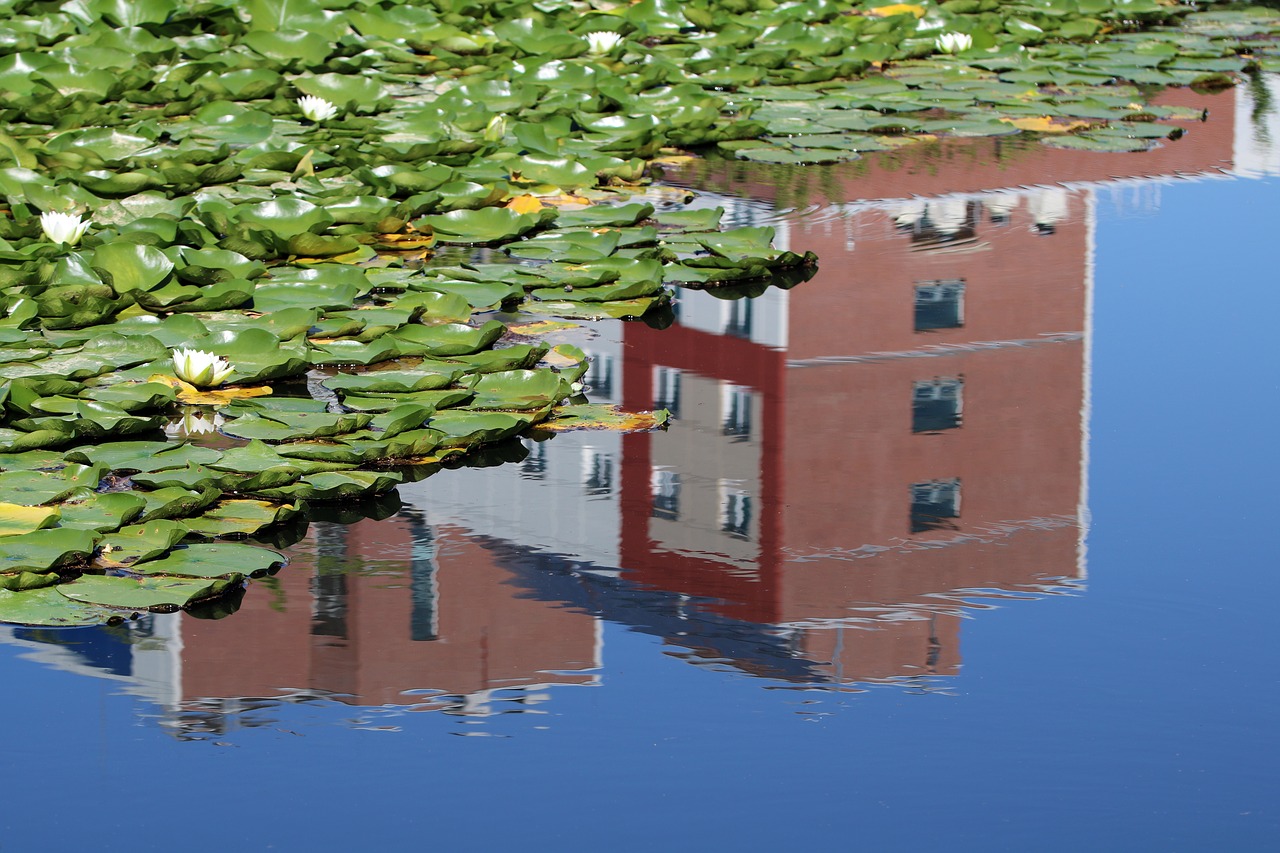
x,y
1132,710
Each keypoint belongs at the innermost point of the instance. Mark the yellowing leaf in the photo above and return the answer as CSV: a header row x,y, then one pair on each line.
x,y
305,168
15,519
193,396
602,417
541,327
564,200
524,204
1046,124
407,241
897,9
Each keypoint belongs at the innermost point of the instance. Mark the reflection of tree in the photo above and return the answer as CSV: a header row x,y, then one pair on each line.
x,y
1262,106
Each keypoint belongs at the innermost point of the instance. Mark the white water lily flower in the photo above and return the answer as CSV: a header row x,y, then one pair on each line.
x,y
201,369
193,424
953,42
63,227
601,43
316,109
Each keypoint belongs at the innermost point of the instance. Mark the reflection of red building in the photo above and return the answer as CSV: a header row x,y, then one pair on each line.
x,y
370,610
848,461
916,426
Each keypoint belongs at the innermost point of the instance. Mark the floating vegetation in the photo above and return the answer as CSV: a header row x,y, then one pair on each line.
x,y
216,306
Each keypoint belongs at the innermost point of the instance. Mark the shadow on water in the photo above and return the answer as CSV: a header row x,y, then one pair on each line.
x,y
857,464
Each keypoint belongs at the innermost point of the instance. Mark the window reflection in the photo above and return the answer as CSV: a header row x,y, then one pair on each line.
x,y
936,404
597,475
939,305
735,404
736,511
934,504
666,390
665,489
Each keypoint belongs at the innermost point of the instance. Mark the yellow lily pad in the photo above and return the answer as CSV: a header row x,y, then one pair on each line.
x,y
897,9
542,327
16,519
1046,124
601,417
193,396
525,204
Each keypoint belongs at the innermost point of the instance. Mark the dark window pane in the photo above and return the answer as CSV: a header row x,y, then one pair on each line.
x,y
939,305
934,504
936,405
665,486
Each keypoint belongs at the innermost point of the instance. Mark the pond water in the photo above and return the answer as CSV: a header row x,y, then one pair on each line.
x,y
960,544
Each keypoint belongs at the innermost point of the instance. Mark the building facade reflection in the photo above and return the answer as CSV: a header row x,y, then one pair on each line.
x,y
855,464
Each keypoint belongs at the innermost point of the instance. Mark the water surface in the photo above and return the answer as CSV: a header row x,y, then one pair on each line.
x,y
960,544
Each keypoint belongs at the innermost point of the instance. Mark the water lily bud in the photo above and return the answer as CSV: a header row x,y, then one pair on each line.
x,y
199,368
316,109
953,42
598,44
496,129
62,227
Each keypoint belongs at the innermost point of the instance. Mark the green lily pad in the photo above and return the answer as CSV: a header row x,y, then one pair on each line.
x,y
466,428
447,339
175,502
336,486
102,513
290,426
240,517
486,225
386,402
128,456
129,266
160,595
36,488
141,542
424,378
43,550
214,560
49,608
519,390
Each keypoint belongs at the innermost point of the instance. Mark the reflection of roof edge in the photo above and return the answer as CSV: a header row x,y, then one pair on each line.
x,y
1218,174
58,657
646,609
982,534
938,350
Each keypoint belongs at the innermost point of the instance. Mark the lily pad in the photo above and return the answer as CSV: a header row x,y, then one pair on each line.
x,y
49,608
240,517
591,416
43,550
102,513
160,594
214,560
16,519
519,390
487,225
140,543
